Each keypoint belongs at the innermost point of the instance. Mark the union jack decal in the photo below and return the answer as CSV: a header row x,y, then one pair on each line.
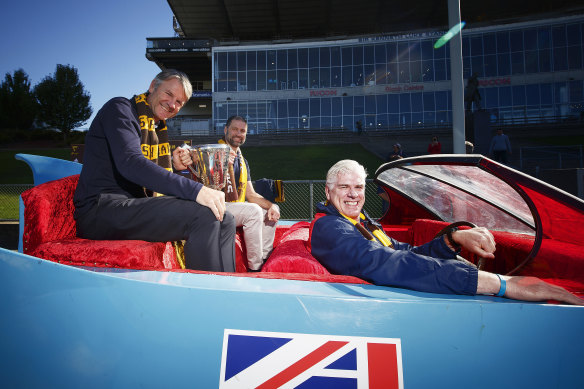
x,y
257,359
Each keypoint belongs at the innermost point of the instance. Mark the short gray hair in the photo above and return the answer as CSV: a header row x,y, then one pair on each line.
x,y
342,167
172,73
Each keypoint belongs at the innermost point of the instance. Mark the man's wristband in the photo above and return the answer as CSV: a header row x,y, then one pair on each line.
x,y
451,241
503,287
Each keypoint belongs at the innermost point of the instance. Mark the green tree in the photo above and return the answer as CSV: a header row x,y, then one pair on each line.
x,y
18,106
63,102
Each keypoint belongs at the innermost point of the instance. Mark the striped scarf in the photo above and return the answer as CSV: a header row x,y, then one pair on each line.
x,y
153,141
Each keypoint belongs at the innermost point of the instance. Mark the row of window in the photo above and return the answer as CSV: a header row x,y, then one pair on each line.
x,y
380,111
529,50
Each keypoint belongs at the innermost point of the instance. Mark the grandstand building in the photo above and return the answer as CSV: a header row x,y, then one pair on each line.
x,y
530,70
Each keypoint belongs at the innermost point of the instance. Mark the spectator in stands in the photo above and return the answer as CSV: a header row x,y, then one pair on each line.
x,y
126,152
397,153
500,146
348,242
434,147
256,214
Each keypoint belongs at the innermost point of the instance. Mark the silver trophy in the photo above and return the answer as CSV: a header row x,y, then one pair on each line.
x,y
210,164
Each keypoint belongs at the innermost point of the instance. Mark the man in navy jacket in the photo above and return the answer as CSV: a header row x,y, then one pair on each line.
x,y
110,199
346,241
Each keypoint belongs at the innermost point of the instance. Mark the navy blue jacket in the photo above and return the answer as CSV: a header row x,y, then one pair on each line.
x,y
113,161
432,267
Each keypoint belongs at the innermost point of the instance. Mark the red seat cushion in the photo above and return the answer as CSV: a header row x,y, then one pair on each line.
x,y
50,233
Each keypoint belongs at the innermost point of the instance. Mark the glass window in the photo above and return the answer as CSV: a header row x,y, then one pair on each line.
x,y
314,77
531,61
559,36
442,52
359,105
516,40
573,34
574,57
546,94
302,78
370,105
391,51
545,60
441,100
391,75
517,65
491,98
325,57
518,95
358,78
313,57
261,60
282,79
403,50
347,75
476,45
302,58
560,59
427,50
314,107
368,54
504,64
503,42
427,71
404,102
325,77
348,105
335,56
357,55
544,37
576,96
490,65
272,80
429,104
251,80
403,73
381,103
416,71
231,62
380,56
530,39
261,80
417,104
477,66
532,94
292,58
271,60
415,51
293,79
251,60
221,61
325,107
241,61
440,70
369,74
393,103
336,76
347,56
466,47
490,44
336,107
505,96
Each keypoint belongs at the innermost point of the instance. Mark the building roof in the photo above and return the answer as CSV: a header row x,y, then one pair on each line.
x,y
232,22
298,19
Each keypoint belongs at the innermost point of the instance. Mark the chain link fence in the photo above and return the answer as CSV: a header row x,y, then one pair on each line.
x,y
9,194
301,199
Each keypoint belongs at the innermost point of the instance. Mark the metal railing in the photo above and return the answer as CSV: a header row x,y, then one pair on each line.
x,y
301,199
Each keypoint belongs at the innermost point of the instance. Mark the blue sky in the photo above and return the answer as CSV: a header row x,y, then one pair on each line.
x,y
105,40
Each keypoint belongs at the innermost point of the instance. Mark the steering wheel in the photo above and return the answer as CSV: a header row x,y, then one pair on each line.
x,y
443,231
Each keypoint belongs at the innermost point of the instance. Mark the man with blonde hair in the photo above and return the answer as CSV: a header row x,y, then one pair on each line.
x,y
127,161
347,241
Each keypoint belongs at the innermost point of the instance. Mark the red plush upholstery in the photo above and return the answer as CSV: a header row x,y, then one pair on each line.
x,y
292,255
50,233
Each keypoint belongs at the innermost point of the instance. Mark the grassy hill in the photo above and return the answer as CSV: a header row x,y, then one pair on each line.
x,y
309,162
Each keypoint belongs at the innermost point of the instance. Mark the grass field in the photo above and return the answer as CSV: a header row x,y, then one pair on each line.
x,y
283,163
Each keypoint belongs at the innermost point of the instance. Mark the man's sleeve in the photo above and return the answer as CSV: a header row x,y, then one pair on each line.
x,y
343,250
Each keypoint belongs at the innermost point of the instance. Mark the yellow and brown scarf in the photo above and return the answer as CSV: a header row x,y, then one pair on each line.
x,y
153,140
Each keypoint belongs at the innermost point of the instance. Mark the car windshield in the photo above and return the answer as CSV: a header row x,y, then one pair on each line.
x,y
460,192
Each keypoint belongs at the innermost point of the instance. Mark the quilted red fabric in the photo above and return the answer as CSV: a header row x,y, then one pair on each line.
x,y
50,233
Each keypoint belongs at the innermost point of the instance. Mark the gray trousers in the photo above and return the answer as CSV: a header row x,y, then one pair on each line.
x,y
258,232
